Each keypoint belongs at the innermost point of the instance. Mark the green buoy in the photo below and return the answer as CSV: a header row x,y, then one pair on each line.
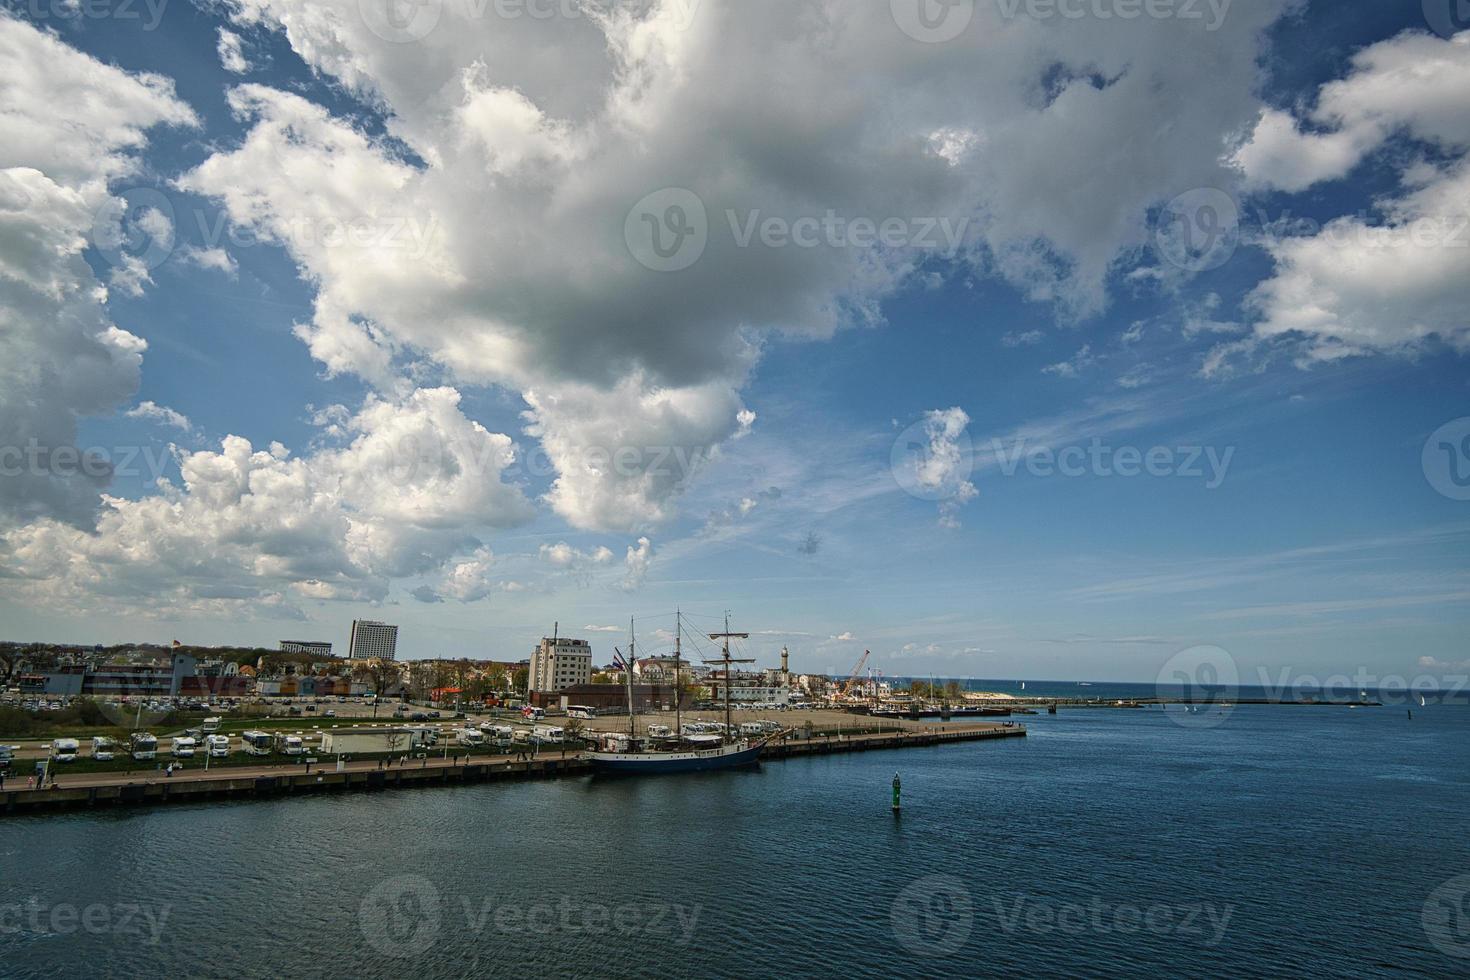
x,y
897,789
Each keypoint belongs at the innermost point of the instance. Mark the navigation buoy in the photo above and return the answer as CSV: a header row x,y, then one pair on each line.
x,y
897,790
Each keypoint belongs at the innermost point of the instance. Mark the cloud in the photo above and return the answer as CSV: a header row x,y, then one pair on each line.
x,y
637,564
949,510
939,465
502,244
623,457
216,259
1390,286
469,579
1073,366
69,124
1028,338
76,120
741,509
563,555
1136,377
231,52
843,637
160,414
257,527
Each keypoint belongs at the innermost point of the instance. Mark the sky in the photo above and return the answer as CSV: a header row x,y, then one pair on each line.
x,y
1001,338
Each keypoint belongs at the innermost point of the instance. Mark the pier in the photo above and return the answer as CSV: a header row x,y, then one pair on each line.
x,y
261,782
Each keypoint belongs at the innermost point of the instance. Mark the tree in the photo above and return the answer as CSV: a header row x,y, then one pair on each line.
x,y
10,661
381,675
519,678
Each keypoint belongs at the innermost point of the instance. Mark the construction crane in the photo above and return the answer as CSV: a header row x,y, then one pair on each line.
x,y
856,672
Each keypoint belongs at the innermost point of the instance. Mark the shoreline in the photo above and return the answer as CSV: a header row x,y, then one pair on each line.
x,y
104,791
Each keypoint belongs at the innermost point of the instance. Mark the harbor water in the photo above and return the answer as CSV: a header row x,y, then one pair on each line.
x,y
1318,840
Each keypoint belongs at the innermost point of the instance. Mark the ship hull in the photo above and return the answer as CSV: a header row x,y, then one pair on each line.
x,y
655,763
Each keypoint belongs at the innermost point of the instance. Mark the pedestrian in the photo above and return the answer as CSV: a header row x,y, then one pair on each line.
x,y
30,782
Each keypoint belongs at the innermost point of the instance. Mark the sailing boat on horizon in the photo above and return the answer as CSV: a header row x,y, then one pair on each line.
x,y
635,754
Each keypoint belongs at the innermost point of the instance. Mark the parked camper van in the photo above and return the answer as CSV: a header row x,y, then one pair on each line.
x,y
218,746
210,726
469,737
293,745
257,743
65,750
143,746
184,747
548,734
104,749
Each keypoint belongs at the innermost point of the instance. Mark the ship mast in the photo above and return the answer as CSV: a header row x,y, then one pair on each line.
x,y
726,659
678,663
632,658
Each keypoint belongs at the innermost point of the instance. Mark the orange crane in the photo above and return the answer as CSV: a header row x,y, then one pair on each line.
x,y
847,687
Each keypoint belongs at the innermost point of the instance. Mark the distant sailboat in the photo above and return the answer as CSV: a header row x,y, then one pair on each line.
x,y
1023,685
1421,700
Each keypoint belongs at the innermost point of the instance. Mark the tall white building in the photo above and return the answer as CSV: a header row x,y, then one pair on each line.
x,y
559,663
372,640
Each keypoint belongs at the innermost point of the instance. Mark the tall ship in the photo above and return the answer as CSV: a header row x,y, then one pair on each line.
x,y
677,752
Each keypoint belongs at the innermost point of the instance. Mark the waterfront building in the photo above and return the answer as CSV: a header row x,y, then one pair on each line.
x,y
613,698
317,648
115,680
372,640
560,662
749,688
661,670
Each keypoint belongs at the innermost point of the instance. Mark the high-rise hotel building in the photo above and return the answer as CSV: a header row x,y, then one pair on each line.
x,y
372,640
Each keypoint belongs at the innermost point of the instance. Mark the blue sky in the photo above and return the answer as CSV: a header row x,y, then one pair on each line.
x,y
857,407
